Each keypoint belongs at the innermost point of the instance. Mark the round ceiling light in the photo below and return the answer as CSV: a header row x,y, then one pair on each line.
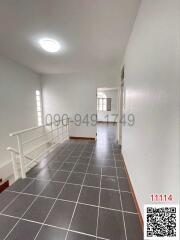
x,y
49,45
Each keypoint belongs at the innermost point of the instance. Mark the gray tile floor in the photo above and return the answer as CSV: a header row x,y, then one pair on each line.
x,y
81,193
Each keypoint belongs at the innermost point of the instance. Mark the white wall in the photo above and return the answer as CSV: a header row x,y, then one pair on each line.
x,y
151,147
112,115
71,94
108,78
17,106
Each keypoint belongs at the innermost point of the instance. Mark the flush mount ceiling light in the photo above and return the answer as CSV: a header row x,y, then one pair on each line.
x,y
49,45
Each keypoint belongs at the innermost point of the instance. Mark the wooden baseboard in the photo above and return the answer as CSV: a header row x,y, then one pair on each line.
x,y
83,138
106,122
135,199
4,185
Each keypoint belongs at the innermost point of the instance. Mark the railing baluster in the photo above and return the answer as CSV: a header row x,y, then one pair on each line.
x,y
21,156
13,158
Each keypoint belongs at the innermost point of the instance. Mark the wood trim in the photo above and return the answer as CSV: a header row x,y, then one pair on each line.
x,y
135,199
82,138
4,185
106,122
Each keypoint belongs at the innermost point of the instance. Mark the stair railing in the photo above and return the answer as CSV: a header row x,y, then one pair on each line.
x,y
34,143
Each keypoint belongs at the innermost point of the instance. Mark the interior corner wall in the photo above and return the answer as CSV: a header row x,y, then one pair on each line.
x,y
17,106
72,94
151,146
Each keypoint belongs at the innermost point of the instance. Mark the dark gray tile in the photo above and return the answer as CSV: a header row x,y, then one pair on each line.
x,y
133,227
92,180
110,224
94,170
85,219
119,164
5,198
52,189
6,224
89,195
61,176
19,205
51,233
77,236
110,199
46,174
124,184
109,171
61,214
128,202
67,166
71,159
20,184
70,192
39,209
24,230
53,165
109,182
76,178
121,172
36,187
80,168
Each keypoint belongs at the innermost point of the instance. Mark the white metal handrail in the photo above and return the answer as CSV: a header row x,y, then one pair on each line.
x,y
48,140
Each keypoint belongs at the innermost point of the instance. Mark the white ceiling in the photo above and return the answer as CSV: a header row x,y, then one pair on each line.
x,y
93,33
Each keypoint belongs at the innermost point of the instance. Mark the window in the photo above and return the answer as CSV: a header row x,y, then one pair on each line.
x,y
103,103
39,107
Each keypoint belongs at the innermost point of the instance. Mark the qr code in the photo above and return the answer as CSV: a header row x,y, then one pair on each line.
x,y
161,222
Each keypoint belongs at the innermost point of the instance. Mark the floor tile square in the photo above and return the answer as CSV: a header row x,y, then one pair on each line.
x,y
35,187
61,176
109,182
89,195
77,236
80,168
67,166
110,224
92,180
110,199
24,230
52,189
51,233
39,209
70,192
128,202
46,174
61,214
121,172
6,224
124,184
20,184
5,198
53,165
85,219
18,207
133,227
109,171
94,170
119,164
76,178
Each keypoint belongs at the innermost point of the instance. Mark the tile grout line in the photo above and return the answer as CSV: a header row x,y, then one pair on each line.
x,y
79,195
57,195
98,206
120,200
29,205
19,193
76,184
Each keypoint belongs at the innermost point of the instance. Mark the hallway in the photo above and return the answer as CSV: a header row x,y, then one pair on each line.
x,y
81,193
